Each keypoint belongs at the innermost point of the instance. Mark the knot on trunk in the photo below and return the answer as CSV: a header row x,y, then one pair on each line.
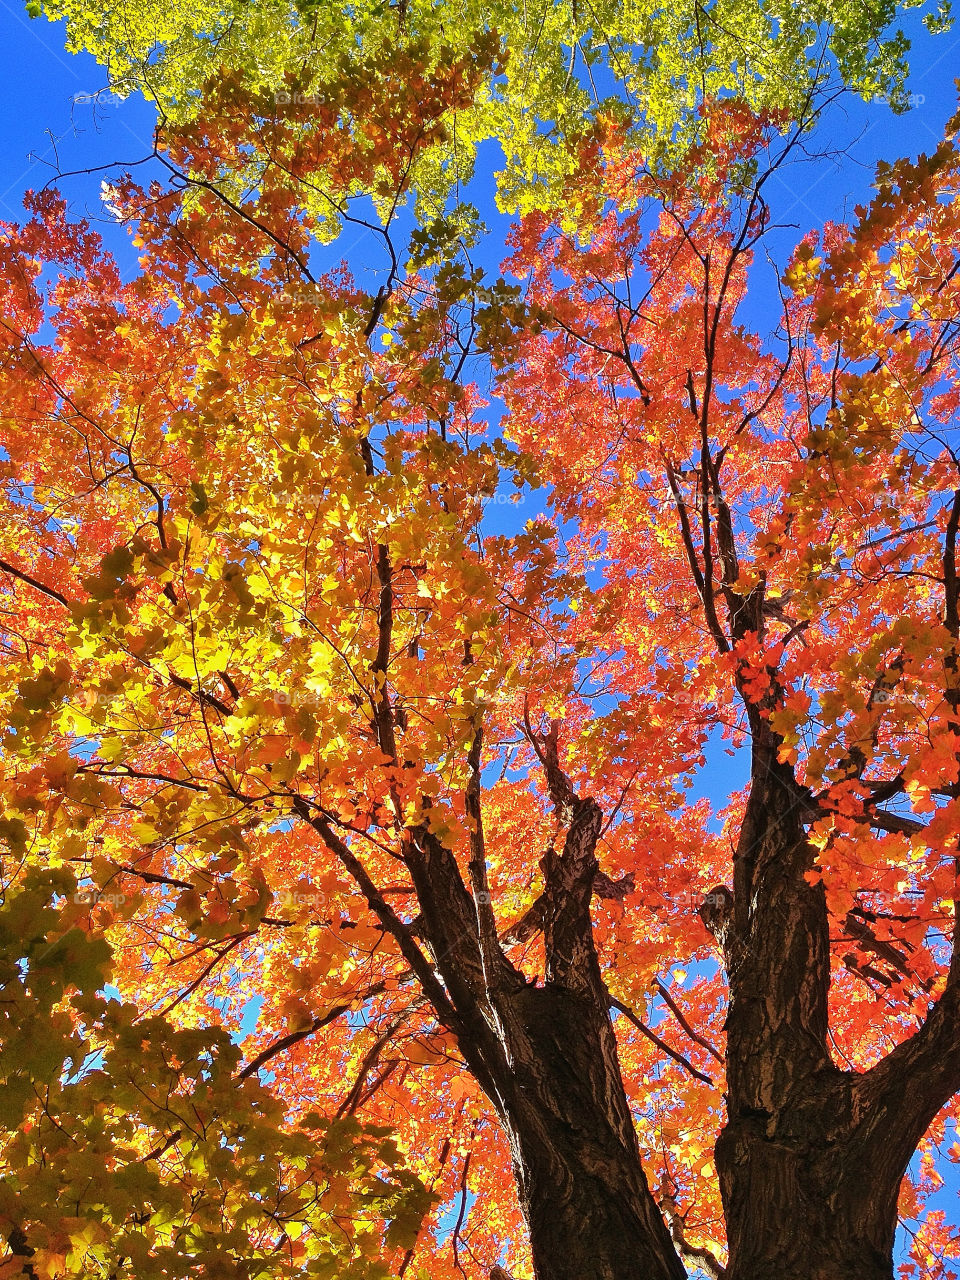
x,y
716,912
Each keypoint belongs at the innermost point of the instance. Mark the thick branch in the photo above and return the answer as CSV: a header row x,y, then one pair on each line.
x,y
294,1037
571,958
531,922
900,1096
494,960
414,957
52,592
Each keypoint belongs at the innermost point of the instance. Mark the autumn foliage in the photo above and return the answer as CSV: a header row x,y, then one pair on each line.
x,y
354,720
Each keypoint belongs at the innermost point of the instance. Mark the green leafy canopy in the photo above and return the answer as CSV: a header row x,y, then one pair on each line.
x,y
561,65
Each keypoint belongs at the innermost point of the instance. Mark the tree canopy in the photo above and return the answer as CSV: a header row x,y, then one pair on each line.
x,y
559,66
290,717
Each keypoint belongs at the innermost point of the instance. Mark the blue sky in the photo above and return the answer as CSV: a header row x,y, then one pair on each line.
x,y
40,124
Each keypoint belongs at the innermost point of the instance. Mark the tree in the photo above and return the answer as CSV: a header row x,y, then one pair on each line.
x,y
807,571
302,727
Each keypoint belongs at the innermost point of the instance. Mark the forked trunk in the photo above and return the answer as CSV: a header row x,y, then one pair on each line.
x,y
811,1158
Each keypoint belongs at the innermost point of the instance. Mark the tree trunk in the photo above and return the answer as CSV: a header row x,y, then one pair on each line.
x,y
811,1158
576,1160
799,1204
546,1055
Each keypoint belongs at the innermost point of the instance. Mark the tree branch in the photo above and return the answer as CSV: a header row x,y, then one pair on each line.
x,y
677,1012
661,1044
703,1259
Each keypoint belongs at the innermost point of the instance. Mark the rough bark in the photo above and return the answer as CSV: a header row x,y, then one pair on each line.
x,y
811,1157
547,1054
777,952
585,1198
